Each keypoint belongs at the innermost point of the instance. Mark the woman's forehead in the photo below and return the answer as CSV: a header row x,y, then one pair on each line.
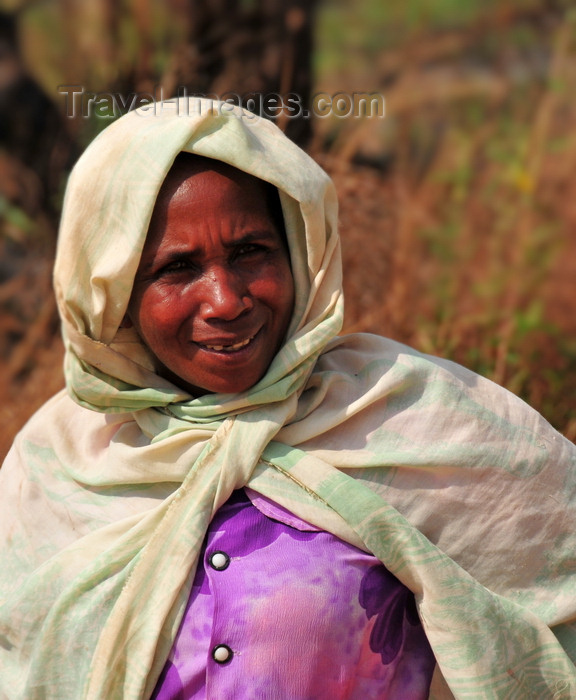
x,y
206,182
189,165
203,177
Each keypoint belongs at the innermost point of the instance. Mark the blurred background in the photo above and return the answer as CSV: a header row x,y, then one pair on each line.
x,y
458,206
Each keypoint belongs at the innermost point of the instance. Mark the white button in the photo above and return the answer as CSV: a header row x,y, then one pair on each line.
x,y
219,561
222,653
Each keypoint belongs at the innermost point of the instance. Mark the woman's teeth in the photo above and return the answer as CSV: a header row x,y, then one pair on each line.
x,y
229,348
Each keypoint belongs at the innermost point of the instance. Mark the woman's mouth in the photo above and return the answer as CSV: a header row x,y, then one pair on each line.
x,y
227,348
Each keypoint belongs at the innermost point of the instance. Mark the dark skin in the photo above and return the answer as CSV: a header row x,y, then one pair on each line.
x,y
214,293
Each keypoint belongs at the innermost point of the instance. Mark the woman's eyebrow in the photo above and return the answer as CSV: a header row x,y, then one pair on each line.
x,y
180,253
251,236
149,263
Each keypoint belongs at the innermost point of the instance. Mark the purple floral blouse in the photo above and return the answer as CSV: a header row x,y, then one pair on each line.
x,y
280,610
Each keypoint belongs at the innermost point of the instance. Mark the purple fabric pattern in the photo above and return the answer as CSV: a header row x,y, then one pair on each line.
x,y
302,615
170,683
382,595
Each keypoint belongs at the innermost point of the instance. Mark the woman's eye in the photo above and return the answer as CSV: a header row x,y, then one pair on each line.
x,y
174,266
250,249
178,265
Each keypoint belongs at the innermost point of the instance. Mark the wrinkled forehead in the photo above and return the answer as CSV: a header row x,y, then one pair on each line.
x,y
208,178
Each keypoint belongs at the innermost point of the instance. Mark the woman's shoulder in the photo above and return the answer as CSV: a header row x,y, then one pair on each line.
x,y
370,356
394,379
61,418
367,354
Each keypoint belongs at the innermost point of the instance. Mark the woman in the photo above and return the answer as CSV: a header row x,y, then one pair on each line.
x,y
208,394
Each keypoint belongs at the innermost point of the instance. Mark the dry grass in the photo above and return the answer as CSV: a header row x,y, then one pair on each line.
x,y
465,247
30,347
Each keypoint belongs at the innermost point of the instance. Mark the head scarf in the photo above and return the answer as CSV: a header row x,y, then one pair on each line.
x,y
460,489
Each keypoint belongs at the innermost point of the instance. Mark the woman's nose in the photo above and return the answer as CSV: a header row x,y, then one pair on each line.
x,y
225,295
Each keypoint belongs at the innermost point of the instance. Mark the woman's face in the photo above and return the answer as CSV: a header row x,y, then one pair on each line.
x,y
213,295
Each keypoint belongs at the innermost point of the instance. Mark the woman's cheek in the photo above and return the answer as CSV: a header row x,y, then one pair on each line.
x,y
150,310
277,284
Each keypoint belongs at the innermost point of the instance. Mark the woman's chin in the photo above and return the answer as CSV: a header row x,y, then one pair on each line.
x,y
212,385
217,371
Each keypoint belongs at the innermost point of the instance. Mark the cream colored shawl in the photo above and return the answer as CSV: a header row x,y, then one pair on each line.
x,y
464,492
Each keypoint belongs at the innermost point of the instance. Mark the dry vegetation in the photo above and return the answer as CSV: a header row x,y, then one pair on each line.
x,y
457,214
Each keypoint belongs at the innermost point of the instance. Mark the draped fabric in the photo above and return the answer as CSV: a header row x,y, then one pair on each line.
x,y
464,492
